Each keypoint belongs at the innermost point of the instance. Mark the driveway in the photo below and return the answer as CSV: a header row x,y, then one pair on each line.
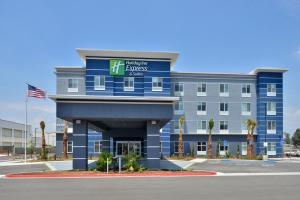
x,y
247,166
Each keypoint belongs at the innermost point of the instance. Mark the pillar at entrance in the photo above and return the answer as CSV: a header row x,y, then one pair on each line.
x,y
80,144
153,145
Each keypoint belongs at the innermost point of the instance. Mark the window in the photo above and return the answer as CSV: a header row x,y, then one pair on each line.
x,y
157,84
271,149
246,90
246,109
223,126
271,108
6,132
70,147
244,148
224,90
176,144
271,89
201,109
201,126
128,83
201,89
223,148
72,85
271,127
224,109
99,82
201,148
244,127
177,126
97,145
178,108
178,89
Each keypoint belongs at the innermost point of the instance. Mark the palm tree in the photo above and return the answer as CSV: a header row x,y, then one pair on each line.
x,y
65,140
211,125
249,125
43,154
253,126
180,145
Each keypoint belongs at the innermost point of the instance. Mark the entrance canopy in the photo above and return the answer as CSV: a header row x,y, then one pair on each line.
x,y
108,112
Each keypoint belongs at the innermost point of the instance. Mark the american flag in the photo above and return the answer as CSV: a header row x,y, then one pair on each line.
x,y
35,92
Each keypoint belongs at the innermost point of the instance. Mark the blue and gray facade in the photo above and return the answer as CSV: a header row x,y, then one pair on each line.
x,y
123,101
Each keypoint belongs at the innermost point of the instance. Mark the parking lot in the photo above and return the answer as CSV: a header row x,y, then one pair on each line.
x,y
248,166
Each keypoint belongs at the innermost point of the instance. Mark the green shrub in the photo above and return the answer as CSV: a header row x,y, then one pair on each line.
x,y
131,160
104,157
259,157
228,154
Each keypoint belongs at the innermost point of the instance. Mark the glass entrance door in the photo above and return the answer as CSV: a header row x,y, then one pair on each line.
x,y
123,147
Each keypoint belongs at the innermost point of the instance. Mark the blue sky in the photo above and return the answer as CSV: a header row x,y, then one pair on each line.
x,y
211,36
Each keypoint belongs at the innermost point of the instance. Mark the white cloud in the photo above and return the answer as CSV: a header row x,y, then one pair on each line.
x,y
37,111
291,119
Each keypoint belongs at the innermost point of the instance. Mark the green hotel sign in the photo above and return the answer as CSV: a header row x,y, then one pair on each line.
x,y
120,67
117,67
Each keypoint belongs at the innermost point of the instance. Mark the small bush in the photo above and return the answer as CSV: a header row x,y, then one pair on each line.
x,y
104,157
131,160
259,157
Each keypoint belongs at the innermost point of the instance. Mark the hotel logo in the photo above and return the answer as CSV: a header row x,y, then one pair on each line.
x,y
117,67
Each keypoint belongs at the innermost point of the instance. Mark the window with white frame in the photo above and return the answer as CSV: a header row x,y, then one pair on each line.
x,y
70,147
177,126
223,126
201,108
72,85
271,126
128,83
271,108
201,148
246,109
244,127
246,90
224,90
99,82
223,148
244,148
178,108
271,89
201,89
201,126
224,109
157,84
97,146
178,89
271,149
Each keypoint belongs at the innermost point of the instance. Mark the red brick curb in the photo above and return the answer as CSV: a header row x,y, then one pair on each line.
x,y
104,175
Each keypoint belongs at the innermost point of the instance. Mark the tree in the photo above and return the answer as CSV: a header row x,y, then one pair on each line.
x,y
253,126
249,121
287,138
43,153
65,140
211,125
296,138
180,145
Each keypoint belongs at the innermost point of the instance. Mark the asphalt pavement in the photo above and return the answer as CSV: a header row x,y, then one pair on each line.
x,y
183,188
247,166
23,168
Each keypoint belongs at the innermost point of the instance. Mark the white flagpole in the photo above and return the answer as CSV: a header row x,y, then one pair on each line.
x,y
26,101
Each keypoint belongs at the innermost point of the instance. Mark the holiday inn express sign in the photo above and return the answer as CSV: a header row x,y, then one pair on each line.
x,y
119,67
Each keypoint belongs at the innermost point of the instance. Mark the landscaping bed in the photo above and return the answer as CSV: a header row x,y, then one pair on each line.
x,y
91,174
